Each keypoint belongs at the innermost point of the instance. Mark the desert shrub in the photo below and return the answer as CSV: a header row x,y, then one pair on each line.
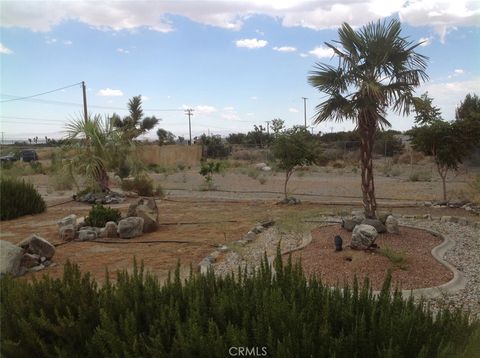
x,y
250,155
181,166
407,157
159,191
397,258
205,315
215,147
253,173
18,198
123,170
37,167
420,176
142,185
99,215
338,164
61,180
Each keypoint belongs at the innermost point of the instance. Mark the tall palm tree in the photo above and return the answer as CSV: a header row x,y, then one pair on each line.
x,y
377,69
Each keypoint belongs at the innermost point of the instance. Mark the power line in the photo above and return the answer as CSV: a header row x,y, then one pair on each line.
x,y
32,118
40,94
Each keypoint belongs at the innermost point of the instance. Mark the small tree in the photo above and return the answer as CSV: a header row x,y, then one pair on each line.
x,y
165,137
443,141
293,148
425,111
207,169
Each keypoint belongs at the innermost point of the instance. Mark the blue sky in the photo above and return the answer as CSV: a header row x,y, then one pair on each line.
x,y
236,63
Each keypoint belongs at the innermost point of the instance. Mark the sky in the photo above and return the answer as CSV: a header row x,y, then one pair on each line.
x,y
235,63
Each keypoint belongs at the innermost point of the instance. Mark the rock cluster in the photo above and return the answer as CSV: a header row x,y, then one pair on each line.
x,y
380,224
142,217
290,200
459,204
32,254
101,198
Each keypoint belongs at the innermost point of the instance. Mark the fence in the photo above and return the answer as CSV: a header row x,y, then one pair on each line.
x,y
170,155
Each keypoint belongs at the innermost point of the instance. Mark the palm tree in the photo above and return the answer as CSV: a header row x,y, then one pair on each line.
x,y
377,69
93,147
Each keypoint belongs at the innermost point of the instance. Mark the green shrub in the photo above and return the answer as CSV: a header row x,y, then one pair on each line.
x,y
18,198
61,180
206,315
207,169
338,165
99,215
142,185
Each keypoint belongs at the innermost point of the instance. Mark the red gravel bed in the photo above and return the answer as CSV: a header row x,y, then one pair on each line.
x,y
419,270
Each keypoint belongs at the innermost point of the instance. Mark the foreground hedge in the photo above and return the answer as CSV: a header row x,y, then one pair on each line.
x,y
206,315
18,198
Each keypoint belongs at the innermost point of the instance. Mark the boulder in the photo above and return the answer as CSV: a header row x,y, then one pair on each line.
x,y
87,235
130,227
363,237
349,224
10,258
358,215
383,215
68,220
110,230
249,236
445,219
147,209
290,201
30,260
392,225
38,246
377,224
67,233
266,169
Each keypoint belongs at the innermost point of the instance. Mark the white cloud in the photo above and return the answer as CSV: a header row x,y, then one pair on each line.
x,y
67,42
108,92
254,98
250,114
285,49
459,71
322,52
122,50
448,95
303,55
144,98
293,110
5,50
50,41
229,108
260,32
425,41
251,43
441,15
203,109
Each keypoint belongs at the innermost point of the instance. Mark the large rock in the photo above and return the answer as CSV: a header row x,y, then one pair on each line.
x,y
30,260
67,233
392,225
358,215
38,246
68,220
363,237
110,230
130,227
383,215
10,258
87,235
377,224
147,209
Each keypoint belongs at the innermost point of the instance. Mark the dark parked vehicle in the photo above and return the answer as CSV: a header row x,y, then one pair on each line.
x,y
29,155
10,157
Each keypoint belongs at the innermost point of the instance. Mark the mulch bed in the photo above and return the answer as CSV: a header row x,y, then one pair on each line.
x,y
419,270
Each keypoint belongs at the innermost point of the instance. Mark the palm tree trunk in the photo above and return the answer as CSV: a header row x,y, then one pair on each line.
x,y
367,130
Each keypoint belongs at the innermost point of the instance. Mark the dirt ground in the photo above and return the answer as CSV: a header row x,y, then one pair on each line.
x,y
209,218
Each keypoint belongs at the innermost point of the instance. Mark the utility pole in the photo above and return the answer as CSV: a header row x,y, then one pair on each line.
x,y
189,112
305,110
85,113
